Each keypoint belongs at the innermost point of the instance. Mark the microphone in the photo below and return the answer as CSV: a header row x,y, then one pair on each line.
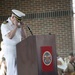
x,y
29,30
49,33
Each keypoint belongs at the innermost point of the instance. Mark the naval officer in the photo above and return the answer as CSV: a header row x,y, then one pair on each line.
x,y
11,35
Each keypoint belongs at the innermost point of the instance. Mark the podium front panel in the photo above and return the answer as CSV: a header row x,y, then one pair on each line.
x,y
36,55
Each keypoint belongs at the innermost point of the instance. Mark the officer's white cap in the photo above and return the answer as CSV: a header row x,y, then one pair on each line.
x,y
18,13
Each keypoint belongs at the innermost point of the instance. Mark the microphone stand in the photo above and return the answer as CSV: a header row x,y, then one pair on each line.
x,y
29,30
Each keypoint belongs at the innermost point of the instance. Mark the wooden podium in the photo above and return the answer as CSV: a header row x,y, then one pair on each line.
x,y
36,55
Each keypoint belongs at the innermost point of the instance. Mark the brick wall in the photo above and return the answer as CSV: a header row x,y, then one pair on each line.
x,y
44,17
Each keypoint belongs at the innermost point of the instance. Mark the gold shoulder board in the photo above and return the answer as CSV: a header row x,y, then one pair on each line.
x,y
5,22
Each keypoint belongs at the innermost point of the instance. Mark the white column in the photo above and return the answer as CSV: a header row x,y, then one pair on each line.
x,y
73,26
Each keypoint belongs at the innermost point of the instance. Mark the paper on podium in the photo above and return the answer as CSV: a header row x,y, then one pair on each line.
x,y
63,66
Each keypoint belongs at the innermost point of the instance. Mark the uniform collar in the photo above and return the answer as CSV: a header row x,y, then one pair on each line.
x,y
9,20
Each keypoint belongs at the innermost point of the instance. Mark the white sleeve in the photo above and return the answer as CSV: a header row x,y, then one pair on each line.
x,y
4,29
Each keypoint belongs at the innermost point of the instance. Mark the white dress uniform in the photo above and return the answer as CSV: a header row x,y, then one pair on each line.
x,y
9,47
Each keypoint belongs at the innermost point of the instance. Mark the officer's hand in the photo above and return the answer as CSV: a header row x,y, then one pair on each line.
x,y
16,23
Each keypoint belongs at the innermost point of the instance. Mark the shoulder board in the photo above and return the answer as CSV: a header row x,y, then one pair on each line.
x,y
5,22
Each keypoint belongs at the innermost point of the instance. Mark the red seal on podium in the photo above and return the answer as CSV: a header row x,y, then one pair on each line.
x,y
47,58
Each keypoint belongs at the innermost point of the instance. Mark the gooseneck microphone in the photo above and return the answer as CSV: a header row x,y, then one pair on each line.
x,y
29,29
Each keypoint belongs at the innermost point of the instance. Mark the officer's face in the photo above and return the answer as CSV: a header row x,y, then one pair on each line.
x,y
15,20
